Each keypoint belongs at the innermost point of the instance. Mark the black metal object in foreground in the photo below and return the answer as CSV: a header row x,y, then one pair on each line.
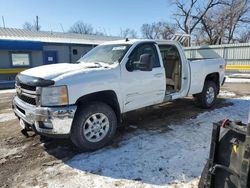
x,y
229,159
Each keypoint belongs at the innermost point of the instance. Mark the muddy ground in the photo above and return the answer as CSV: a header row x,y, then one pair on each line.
x,y
19,155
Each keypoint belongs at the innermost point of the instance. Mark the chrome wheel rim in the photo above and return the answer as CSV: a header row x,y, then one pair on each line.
x,y
96,127
210,94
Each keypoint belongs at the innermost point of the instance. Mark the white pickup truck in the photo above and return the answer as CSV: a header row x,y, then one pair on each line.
x,y
85,101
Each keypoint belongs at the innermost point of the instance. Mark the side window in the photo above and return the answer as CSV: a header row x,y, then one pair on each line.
x,y
144,49
169,52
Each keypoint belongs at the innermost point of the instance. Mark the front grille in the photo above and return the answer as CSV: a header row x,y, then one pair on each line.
x,y
26,93
27,87
27,99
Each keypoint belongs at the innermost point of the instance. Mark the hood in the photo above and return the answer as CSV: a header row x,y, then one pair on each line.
x,y
55,70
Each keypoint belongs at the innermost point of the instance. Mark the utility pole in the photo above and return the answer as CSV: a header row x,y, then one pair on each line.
x,y
3,22
37,25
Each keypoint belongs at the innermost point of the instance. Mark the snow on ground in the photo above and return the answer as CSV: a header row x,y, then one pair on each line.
x,y
148,158
237,80
7,116
225,93
7,91
240,75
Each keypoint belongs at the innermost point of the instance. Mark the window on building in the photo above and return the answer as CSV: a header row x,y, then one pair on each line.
x,y
74,51
20,59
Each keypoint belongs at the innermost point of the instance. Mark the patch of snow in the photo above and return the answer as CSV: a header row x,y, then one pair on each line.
x,y
7,91
237,80
240,75
7,117
6,152
148,158
226,93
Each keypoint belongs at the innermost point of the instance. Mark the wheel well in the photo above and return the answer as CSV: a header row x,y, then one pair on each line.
x,y
109,97
215,78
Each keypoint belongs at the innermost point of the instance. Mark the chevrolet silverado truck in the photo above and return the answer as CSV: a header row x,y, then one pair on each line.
x,y
85,101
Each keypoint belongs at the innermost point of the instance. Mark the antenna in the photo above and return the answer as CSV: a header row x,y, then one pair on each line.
x,y
3,22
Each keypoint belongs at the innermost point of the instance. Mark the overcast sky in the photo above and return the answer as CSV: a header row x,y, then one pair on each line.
x,y
107,16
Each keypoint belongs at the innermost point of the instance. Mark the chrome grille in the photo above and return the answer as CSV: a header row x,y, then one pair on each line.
x,y
27,99
27,93
27,87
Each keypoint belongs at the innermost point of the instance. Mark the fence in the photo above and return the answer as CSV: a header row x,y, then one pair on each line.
x,y
237,56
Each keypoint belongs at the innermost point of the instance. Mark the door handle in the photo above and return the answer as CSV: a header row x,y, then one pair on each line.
x,y
184,78
158,75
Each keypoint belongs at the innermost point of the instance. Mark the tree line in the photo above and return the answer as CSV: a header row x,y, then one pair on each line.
x,y
206,21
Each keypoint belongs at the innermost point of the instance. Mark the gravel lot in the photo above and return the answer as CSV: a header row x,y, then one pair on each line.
x,y
165,145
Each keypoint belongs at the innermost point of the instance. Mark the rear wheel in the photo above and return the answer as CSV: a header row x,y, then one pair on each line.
x,y
207,97
94,126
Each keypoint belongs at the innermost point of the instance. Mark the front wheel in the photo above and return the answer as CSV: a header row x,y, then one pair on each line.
x,y
94,126
207,98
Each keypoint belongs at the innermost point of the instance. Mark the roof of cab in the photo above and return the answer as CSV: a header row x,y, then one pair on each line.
x,y
133,41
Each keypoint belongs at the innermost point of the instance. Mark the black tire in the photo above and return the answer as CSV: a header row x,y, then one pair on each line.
x,y
83,113
202,100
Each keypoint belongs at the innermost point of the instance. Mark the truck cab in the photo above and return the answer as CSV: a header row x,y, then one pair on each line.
x,y
169,78
85,101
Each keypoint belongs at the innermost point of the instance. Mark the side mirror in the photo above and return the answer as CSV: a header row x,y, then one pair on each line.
x,y
129,66
146,64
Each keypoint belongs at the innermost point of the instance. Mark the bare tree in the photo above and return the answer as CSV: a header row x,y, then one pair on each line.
x,y
190,13
32,27
212,28
158,30
100,33
237,14
147,31
244,37
220,25
81,28
128,33
28,26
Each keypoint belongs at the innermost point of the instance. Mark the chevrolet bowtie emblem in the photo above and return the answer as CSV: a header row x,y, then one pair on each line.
x,y
18,90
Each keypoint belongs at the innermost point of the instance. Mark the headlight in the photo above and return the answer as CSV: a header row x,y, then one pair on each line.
x,y
54,96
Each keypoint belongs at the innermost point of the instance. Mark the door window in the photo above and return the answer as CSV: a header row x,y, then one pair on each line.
x,y
144,49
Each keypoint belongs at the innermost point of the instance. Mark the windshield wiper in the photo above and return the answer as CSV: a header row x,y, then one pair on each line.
x,y
97,64
102,64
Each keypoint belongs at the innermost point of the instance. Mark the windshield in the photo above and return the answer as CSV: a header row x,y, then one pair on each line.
x,y
109,54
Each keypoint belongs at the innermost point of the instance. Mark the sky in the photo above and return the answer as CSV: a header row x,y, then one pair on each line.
x,y
107,16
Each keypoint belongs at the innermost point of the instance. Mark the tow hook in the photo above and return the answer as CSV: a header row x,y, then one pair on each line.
x,y
25,132
25,129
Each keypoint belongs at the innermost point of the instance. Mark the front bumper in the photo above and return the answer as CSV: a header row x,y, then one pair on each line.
x,y
46,120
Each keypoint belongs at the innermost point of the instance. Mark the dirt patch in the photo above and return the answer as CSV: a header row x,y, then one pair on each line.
x,y
6,101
